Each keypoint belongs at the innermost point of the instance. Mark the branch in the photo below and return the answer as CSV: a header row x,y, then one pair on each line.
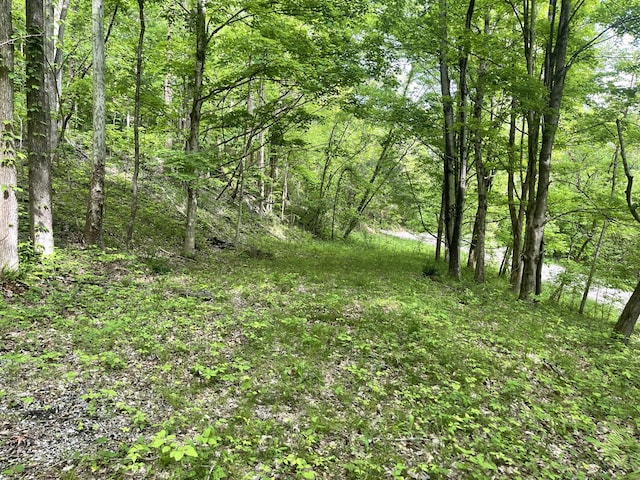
x,y
230,21
627,172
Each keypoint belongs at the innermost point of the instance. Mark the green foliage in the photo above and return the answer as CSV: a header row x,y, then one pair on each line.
x,y
332,360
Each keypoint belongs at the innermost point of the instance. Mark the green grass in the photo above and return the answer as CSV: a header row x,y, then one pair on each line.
x,y
324,360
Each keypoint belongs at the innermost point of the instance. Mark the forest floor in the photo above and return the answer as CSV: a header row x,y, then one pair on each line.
x,y
310,360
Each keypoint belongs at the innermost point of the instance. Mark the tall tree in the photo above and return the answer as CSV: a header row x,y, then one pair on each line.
x,y
192,145
136,123
55,19
456,151
629,317
8,177
95,209
554,73
38,125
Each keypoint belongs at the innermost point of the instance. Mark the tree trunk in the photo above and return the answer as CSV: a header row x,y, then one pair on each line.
x,y
450,155
483,179
370,189
95,211
167,94
271,179
189,248
55,15
193,142
440,234
285,189
555,70
136,125
8,178
38,124
629,316
455,162
605,223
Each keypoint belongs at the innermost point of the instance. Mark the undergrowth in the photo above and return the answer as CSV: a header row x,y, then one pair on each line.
x,y
319,360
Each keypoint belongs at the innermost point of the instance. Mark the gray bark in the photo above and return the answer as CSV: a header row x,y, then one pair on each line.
x,y
193,141
8,178
450,155
38,125
93,230
629,316
555,70
517,206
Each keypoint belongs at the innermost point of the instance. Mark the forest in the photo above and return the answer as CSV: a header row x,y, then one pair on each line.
x,y
273,239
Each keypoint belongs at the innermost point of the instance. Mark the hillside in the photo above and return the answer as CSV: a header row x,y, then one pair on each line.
x,y
303,359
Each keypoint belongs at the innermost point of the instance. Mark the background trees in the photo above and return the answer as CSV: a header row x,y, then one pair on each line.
x,y
482,121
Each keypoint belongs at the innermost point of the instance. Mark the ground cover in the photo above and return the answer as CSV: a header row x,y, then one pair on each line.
x,y
308,360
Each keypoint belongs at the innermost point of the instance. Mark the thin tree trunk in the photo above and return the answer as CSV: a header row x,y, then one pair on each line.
x,y
440,234
596,255
9,260
95,212
285,189
241,173
517,214
193,142
167,94
136,125
370,189
592,270
271,179
504,265
38,124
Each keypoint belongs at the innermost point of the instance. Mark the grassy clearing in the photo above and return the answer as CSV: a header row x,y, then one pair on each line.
x,y
318,360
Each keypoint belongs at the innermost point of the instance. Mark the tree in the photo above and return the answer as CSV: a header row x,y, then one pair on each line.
x,y
8,177
95,208
136,123
55,20
192,144
629,317
38,125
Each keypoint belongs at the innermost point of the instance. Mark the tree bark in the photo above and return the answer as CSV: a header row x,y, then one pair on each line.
x,y
629,316
555,70
136,125
440,233
93,230
285,189
450,155
9,261
517,207
370,189
193,141
482,177
55,15
38,124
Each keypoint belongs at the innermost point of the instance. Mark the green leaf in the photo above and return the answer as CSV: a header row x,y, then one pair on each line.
x,y
190,451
